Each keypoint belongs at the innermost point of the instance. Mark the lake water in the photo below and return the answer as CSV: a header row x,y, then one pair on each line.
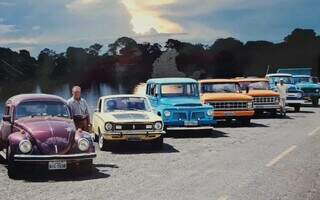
x,y
90,92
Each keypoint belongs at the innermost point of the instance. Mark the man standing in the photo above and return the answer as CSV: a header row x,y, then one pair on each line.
x,y
79,109
282,90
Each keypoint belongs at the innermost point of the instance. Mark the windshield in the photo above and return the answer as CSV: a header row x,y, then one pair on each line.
x,y
219,87
259,85
276,79
188,89
42,108
126,104
302,79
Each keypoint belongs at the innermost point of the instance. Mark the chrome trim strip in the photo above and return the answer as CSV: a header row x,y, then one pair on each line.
x,y
36,158
190,128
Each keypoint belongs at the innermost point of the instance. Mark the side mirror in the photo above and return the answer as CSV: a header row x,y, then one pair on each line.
x,y
6,118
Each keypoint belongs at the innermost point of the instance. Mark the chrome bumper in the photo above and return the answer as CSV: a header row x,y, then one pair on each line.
x,y
190,128
290,101
133,132
46,158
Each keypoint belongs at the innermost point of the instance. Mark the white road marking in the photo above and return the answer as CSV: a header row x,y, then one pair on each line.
x,y
224,197
280,156
314,131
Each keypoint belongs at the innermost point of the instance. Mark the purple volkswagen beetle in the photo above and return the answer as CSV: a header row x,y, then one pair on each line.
x,y
38,129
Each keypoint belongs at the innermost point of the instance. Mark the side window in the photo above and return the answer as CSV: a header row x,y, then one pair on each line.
x,y
148,89
7,110
153,89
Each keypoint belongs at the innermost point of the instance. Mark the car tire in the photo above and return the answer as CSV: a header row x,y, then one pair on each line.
x,y
158,143
13,171
297,108
245,121
315,102
102,143
273,112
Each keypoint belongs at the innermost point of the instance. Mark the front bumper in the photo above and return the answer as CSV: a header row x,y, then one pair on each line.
x,y
233,114
47,158
204,124
132,136
295,101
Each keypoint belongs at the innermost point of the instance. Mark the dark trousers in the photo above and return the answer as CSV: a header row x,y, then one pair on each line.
x,y
82,123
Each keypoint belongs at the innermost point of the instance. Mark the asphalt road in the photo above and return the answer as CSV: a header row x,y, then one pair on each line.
x,y
273,159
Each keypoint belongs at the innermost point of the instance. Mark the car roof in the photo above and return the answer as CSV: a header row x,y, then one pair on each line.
x,y
218,81
171,80
279,74
122,95
251,79
15,100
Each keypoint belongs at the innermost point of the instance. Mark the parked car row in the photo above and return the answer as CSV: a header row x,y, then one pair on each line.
x,y
39,129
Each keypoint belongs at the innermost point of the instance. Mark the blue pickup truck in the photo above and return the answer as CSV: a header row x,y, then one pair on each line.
x,y
294,96
177,101
303,80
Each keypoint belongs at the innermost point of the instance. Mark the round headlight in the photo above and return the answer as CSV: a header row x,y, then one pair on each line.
x,y
158,125
209,112
299,95
167,113
317,90
108,126
25,146
83,144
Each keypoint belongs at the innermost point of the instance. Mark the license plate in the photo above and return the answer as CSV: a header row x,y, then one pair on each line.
x,y
134,138
57,165
191,123
229,114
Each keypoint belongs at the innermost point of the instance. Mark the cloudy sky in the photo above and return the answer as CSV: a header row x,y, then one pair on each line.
x,y
57,24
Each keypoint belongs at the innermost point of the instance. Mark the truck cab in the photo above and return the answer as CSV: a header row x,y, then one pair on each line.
x,y
227,99
177,101
264,99
294,96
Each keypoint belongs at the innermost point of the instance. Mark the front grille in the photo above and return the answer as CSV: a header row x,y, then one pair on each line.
x,y
264,100
198,115
133,126
180,115
309,90
235,105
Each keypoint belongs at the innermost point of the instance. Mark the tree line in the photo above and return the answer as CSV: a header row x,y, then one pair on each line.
x,y
128,60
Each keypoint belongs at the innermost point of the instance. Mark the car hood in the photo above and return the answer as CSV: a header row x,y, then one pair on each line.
x,y
226,97
52,135
181,101
130,116
262,93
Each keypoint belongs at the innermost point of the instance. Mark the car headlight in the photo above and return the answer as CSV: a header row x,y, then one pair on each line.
x,y
108,126
299,95
250,105
158,125
83,144
209,112
167,113
317,90
25,146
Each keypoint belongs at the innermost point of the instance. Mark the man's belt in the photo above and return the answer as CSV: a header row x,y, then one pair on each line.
x,y
80,117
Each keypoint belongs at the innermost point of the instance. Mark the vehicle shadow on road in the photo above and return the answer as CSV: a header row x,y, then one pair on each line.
x,y
223,124
196,134
133,148
63,176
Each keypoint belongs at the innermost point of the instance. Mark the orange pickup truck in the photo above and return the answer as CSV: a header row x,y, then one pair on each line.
x,y
226,97
264,99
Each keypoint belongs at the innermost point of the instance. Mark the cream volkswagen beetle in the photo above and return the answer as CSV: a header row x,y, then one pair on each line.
x,y
120,118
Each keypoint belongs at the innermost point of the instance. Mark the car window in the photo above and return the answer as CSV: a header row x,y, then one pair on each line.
x,y
219,87
42,108
259,85
276,79
126,104
190,89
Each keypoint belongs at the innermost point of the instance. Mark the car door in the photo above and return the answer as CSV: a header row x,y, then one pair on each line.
x,y
96,119
153,94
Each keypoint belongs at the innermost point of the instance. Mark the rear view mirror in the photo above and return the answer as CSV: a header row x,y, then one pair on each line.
x,y
6,118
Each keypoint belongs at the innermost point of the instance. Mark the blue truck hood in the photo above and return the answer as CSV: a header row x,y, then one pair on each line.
x,y
181,101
